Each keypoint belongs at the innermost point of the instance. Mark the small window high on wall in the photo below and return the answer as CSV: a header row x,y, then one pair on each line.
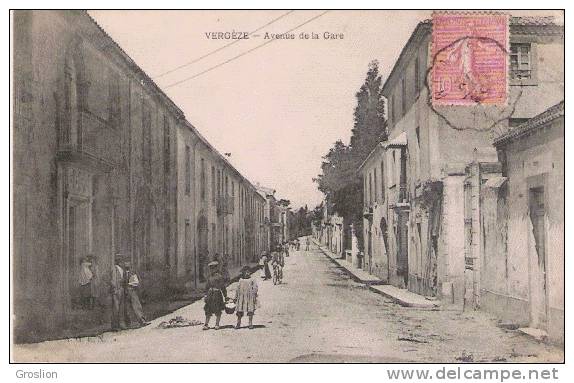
x,y
521,61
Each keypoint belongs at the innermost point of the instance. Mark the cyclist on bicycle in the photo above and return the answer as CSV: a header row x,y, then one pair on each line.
x,y
278,262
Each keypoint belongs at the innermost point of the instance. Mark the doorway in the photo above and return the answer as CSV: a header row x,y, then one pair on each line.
x,y
370,249
403,247
538,278
78,243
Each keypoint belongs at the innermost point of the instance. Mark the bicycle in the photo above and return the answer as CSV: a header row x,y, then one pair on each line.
x,y
277,274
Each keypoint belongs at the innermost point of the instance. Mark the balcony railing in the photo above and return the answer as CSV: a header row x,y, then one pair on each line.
x,y
521,74
225,205
92,142
367,212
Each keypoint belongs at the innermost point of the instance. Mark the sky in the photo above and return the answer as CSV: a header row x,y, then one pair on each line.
x,y
278,108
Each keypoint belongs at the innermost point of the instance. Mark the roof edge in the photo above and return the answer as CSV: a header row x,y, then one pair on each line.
x,y
537,121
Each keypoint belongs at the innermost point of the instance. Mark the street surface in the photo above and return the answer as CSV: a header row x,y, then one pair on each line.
x,y
317,315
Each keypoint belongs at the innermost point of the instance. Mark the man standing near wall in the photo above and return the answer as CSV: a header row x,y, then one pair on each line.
x,y
132,283
117,292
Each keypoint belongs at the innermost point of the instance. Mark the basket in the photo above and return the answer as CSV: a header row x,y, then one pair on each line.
x,y
229,307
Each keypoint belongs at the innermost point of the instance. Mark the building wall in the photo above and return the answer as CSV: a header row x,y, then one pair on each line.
x,y
375,200
533,161
438,149
89,161
100,167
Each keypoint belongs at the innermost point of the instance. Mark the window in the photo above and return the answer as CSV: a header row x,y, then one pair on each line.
x,y
418,133
213,185
202,180
146,142
365,190
417,75
114,100
166,154
394,107
375,181
391,110
520,61
187,170
218,182
403,98
382,180
370,189
394,169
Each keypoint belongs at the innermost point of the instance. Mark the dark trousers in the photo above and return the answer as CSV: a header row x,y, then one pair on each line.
x,y
133,300
117,308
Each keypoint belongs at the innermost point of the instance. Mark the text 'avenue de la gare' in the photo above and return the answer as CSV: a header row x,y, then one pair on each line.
x,y
237,35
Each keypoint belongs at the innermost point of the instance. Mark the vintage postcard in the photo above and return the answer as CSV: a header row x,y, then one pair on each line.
x,y
287,186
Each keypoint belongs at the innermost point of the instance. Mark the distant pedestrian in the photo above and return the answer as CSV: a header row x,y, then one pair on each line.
x,y
286,249
308,243
131,286
278,262
86,280
215,296
117,293
246,297
265,271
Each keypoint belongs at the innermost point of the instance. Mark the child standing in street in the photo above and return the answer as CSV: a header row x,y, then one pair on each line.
x,y
246,297
215,295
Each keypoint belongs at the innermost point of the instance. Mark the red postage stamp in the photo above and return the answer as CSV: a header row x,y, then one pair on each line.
x,y
469,58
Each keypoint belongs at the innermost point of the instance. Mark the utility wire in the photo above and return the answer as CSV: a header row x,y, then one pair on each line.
x,y
220,48
241,54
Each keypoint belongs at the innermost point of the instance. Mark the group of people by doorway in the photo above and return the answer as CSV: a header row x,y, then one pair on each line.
x,y
124,287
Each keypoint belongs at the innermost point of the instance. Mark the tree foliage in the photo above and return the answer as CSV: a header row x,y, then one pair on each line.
x,y
339,180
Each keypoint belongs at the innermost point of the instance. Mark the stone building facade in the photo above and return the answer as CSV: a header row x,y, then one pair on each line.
x,y
414,182
105,163
223,213
277,218
523,225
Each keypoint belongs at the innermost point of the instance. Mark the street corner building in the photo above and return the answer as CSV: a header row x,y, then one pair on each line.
x,y
522,215
466,203
105,163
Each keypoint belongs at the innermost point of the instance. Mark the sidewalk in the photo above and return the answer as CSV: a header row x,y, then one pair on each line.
x,y
401,296
357,274
404,297
153,309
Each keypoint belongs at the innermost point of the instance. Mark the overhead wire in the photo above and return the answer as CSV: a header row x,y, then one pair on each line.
x,y
242,54
220,48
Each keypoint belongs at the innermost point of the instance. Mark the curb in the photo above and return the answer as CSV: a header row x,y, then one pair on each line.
x,y
371,284
404,303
